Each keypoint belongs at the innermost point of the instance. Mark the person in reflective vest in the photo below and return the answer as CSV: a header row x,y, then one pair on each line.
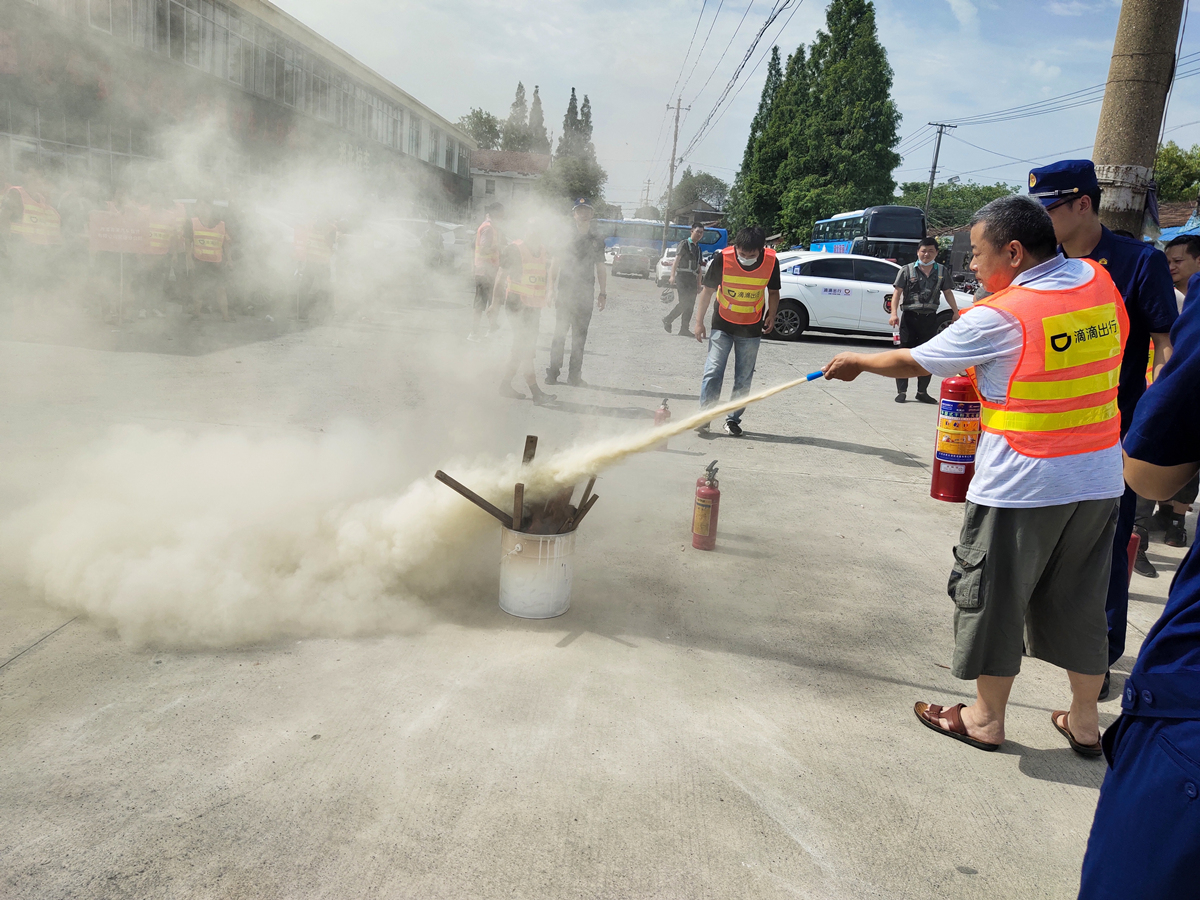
x,y
207,239
745,280
1044,351
314,246
489,242
522,286
32,229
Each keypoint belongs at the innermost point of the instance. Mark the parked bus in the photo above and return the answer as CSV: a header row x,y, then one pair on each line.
x,y
648,233
886,232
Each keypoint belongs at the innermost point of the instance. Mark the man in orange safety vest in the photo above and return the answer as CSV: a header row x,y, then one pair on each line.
x,y
1032,564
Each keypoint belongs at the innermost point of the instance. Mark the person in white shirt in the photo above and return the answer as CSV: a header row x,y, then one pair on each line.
x,y
1034,554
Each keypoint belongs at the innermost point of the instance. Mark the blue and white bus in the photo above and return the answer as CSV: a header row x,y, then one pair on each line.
x,y
648,233
886,232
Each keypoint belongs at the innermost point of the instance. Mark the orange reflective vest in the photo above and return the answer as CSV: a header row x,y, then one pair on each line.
x,y
160,230
207,242
40,222
1062,397
312,243
487,261
742,296
535,275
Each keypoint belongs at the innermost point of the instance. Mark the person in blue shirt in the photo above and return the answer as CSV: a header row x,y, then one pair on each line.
x,y
1145,839
1071,194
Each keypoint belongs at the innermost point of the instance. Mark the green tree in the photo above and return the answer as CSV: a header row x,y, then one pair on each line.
x,y
737,193
515,133
575,172
483,127
568,141
1177,172
695,186
842,153
539,141
952,205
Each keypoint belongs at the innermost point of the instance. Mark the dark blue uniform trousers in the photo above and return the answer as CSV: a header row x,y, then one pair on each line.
x,y
1145,840
1116,606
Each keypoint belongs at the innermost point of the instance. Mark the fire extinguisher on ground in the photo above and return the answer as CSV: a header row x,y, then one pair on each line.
x,y
704,513
662,416
957,439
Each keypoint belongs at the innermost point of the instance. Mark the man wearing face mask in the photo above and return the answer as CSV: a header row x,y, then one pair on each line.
x,y
745,278
919,289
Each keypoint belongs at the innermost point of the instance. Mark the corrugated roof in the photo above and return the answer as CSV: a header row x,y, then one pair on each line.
x,y
510,161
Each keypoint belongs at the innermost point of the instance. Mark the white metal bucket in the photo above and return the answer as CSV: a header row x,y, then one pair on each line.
x,y
535,573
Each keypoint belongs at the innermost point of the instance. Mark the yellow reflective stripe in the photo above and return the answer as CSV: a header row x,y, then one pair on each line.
x,y
1007,420
1064,390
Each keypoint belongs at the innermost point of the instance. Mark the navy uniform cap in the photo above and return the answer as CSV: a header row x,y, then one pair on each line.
x,y
1066,179
582,203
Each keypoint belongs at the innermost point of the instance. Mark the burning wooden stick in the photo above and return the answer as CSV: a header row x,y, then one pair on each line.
x,y
572,523
505,518
518,506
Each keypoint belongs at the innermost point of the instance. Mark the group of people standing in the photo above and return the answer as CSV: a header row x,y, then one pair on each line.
x,y
528,275
1071,435
135,249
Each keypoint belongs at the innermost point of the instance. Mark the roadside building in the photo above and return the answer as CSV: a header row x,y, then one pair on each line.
x,y
504,176
96,85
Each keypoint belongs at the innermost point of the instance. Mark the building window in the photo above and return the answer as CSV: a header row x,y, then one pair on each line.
x,y
100,14
434,138
464,161
449,155
414,136
489,185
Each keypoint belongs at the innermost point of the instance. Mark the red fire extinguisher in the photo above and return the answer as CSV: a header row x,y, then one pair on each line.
x,y
957,440
704,514
662,416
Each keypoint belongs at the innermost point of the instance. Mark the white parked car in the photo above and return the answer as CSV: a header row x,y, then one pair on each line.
x,y
662,271
840,292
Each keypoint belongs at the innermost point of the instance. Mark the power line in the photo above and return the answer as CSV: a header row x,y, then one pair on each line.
x,y
721,58
776,11
716,15
745,82
683,64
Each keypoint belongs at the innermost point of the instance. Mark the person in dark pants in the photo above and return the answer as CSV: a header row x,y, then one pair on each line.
x,y
685,276
1071,194
575,273
1145,838
920,287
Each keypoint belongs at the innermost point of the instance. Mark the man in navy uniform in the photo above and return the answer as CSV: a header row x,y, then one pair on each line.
x,y
1145,839
1071,194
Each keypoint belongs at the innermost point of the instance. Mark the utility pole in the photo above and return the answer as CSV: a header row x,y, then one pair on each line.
x,y
937,148
1139,77
671,180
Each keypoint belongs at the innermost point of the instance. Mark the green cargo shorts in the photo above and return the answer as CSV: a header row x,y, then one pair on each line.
x,y
1034,576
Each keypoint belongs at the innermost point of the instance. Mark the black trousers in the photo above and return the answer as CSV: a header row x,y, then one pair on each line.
x,y
915,329
683,308
572,314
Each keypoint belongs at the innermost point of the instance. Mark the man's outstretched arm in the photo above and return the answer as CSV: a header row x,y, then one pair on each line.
x,y
891,364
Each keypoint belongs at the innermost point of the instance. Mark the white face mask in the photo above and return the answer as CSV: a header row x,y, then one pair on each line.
x,y
747,262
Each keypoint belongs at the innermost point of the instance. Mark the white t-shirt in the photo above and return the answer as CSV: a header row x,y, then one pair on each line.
x,y
991,340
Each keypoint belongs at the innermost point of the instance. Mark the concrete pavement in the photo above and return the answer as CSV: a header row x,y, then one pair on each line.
x,y
735,723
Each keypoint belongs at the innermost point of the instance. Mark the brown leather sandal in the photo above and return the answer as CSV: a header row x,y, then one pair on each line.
x,y
1092,750
929,714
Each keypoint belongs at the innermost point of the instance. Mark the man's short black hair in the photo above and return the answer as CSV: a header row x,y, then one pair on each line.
x,y
928,242
697,225
1018,218
751,238
1093,195
1189,242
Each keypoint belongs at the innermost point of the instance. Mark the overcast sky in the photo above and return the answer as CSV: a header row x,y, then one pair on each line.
x,y
952,58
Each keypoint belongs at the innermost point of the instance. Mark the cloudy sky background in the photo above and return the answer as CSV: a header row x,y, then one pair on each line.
x,y
952,58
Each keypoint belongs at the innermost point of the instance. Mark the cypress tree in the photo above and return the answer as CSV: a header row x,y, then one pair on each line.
x,y
586,149
842,152
515,133
759,123
539,142
569,139
759,190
